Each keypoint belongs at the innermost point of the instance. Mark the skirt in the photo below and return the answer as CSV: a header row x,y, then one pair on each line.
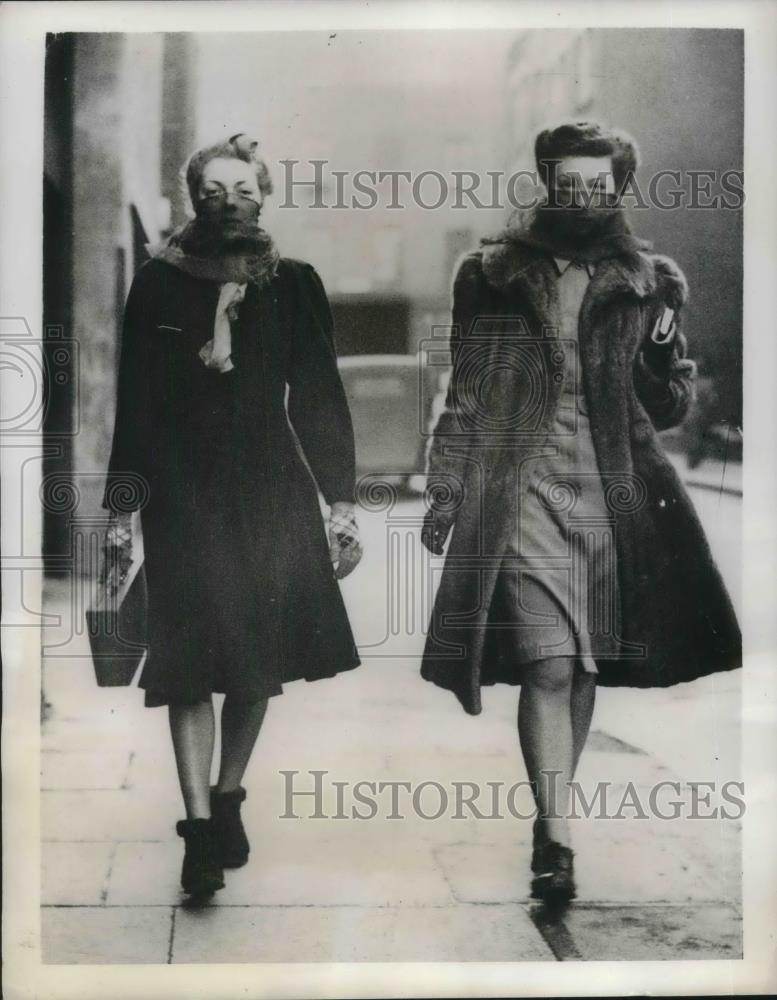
x,y
556,593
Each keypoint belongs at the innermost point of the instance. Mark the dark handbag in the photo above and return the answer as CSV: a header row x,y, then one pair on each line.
x,y
117,627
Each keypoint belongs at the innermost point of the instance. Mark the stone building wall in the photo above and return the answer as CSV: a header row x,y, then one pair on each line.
x,y
131,116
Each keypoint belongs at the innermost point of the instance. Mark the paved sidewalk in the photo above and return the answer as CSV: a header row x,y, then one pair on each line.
x,y
379,890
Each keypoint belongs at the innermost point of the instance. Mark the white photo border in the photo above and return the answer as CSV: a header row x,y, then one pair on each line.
x,y
22,32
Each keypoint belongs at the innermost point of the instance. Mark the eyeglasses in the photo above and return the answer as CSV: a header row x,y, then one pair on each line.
x,y
221,197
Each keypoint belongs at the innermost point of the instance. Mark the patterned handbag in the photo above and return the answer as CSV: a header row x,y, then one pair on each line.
x,y
117,626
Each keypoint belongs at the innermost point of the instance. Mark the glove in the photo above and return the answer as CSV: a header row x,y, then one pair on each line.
x,y
345,547
117,552
434,531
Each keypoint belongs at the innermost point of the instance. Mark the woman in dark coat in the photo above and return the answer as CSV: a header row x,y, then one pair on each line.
x,y
577,556
228,366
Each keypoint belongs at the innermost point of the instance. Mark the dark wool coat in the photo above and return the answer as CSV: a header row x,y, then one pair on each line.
x,y
677,622
242,595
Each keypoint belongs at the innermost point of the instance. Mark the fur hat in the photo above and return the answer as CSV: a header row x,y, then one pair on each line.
x,y
586,139
237,147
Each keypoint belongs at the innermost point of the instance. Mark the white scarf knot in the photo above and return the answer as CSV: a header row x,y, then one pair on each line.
x,y
217,352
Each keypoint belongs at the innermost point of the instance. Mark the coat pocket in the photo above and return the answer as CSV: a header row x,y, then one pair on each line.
x,y
168,328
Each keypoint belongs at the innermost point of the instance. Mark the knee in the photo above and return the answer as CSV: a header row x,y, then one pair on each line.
x,y
187,709
551,675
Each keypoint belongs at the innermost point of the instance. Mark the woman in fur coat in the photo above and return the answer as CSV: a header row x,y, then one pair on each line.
x,y
226,348
577,557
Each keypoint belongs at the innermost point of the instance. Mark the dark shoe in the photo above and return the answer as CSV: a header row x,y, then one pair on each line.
x,y
202,872
230,834
555,881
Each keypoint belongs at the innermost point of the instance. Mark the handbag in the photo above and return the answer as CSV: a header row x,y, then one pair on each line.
x,y
117,626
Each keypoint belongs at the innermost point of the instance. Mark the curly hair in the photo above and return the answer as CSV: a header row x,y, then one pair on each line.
x,y
586,139
237,147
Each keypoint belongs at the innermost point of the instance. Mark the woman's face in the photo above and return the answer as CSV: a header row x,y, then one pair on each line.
x,y
582,196
229,195
584,181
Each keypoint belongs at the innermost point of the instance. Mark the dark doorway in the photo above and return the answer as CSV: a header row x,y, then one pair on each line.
x,y
59,355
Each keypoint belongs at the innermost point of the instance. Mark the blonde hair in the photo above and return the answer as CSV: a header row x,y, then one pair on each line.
x,y
237,147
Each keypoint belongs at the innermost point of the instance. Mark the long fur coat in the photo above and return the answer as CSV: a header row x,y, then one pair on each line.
x,y
676,619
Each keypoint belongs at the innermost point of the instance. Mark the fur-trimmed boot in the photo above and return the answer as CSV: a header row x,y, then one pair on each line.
x,y
555,879
202,872
230,834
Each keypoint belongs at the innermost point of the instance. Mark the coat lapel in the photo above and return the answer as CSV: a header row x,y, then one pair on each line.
x,y
526,282
517,269
608,334
520,266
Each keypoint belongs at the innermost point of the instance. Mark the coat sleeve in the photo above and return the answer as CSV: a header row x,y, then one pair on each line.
x,y
446,459
665,385
317,405
126,486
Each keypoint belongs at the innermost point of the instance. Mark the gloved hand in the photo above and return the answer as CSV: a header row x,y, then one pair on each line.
x,y
345,547
434,532
117,552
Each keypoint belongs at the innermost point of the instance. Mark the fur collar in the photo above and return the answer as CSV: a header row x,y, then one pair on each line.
x,y
257,265
628,268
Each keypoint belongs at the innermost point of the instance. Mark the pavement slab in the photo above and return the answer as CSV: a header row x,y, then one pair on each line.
x,y
644,933
82,770
102,935
145,873
75,874
611,865
114,815
292,871
358,934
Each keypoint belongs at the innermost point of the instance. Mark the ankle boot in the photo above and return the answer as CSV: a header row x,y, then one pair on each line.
x,y
231,840
202,871
555,881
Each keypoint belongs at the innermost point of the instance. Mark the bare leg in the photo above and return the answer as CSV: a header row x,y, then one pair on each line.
x,y
583,698
240,725
545,732
192,728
